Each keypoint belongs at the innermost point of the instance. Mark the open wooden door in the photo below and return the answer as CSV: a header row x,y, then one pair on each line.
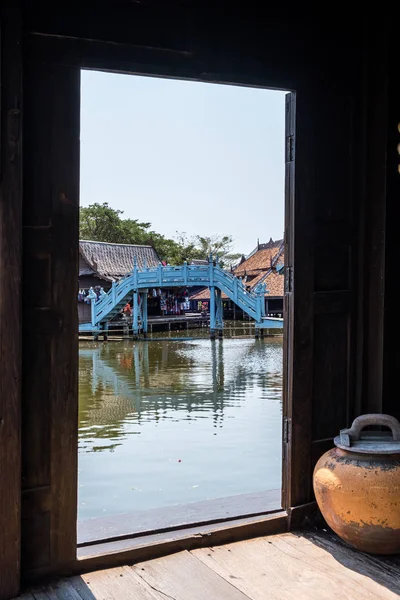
x,y
290,145
321,238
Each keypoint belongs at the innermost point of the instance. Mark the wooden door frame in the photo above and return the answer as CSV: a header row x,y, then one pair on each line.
x,y
40,47
279,72
50,323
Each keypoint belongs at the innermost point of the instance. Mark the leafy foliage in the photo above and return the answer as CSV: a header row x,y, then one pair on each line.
x,y
218,246
101,223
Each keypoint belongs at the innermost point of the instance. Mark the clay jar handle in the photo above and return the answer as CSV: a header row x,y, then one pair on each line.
x,y
353,434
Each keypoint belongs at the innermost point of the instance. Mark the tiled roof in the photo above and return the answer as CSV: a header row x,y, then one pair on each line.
x,y
273,280
204,295
112,261
275,284
260,259
258,279
279,258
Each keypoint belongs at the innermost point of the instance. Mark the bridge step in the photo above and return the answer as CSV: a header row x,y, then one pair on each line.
x,y
87,327
270,323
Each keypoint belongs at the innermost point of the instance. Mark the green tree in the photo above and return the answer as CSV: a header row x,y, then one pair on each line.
x,y
101,223
220,246
187,249
201,247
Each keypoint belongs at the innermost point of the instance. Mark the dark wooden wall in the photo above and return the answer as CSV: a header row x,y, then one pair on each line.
x,y
50,325
391,363
336,219
10,297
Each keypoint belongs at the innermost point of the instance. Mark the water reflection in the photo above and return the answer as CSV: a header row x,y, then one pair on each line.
x,y
120,383
148,406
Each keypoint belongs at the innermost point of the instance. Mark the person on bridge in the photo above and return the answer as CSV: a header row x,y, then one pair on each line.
x,y
127,310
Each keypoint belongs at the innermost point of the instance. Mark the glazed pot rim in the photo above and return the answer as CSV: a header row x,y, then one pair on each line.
x,y
371,445
368,454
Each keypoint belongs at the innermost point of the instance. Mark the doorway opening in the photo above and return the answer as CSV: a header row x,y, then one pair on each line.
x,y
181,304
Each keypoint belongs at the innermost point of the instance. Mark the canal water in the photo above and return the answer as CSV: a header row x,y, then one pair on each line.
x,y
169,421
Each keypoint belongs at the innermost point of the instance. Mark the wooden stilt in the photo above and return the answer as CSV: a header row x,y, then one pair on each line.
x,y
212,313
135,324
144,313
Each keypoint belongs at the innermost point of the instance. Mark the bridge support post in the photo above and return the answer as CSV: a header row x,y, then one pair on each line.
x,y
219,312
144,313
105,331
135,323
216,313
125,328
212,313
92,296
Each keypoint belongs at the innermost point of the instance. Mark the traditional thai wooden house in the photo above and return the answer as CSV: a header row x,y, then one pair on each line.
x,y
101,263
264,265
342,251
259,261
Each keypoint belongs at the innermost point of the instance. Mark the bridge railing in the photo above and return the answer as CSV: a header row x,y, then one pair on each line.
x,y
236,291
119,291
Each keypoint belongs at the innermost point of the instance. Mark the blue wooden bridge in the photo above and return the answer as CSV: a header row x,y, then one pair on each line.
x,y
135,286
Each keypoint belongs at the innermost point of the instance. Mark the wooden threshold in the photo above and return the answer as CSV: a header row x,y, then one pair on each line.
x,y
108,554
162,520
150,546
120,552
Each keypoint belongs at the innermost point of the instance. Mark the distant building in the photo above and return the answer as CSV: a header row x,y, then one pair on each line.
x,y
199,261
263,265
101,263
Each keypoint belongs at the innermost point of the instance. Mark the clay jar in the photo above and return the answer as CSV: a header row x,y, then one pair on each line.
x,y
357,485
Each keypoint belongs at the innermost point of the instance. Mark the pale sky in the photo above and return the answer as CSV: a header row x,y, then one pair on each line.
x,y
196,157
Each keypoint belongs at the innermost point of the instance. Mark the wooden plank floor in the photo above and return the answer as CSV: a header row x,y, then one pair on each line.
x,y
292,566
